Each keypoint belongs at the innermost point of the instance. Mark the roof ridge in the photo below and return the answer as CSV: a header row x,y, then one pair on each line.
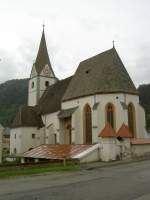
x,y
92,57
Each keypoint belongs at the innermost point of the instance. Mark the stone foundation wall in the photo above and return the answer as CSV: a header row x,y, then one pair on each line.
x,y
113,149
140,150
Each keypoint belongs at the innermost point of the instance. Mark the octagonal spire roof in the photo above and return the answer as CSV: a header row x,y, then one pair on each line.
x,y
42,58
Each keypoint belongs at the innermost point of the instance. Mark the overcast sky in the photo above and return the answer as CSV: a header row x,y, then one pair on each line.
x,y
75,30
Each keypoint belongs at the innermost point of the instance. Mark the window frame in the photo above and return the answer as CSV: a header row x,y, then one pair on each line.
x,y
132,117
110,113
33,135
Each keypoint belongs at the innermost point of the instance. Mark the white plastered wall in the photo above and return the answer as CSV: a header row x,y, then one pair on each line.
x,y
32,92
113,149
51,122
21,139
77,117
108,150
98,115
42,80
53,125
37,91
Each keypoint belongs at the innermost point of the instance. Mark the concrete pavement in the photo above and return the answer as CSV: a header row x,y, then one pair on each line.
x,y
126,182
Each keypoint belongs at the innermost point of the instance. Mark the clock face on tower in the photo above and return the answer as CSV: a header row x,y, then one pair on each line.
x,y
46,70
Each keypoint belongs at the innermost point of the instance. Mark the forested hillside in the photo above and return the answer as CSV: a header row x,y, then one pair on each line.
x,y
13,93
144,91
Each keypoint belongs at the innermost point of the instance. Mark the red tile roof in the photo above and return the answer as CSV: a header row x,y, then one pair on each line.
x,y
108,131
55,152
124,132
140,141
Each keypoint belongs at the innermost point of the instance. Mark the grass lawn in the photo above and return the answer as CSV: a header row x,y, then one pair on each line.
x,y
18,171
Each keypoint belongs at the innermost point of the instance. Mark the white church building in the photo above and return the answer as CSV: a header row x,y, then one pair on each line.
x,y
99,97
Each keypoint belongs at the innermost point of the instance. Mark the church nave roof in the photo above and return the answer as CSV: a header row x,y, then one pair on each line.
x,y
101,74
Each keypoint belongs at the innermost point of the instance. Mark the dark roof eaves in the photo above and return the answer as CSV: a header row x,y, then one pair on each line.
x,y
54,111
23,126
57,107
90,94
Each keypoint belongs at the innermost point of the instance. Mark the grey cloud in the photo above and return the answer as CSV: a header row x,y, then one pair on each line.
x,y
75,30
143,64
7,66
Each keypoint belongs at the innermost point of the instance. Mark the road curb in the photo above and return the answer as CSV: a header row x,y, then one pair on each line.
x,y
97,165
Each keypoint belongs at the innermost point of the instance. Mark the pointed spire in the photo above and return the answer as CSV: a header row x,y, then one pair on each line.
x,y
43,26
42,58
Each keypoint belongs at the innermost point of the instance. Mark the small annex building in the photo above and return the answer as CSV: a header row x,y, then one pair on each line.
x,y
75,110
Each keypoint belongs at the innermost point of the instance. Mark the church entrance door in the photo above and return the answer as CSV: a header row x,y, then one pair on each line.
x,y
67,130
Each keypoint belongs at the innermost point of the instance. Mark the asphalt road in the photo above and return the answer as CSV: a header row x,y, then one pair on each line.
x,y
122,182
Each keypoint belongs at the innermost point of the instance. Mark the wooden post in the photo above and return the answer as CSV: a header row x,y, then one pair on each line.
x,y
64,162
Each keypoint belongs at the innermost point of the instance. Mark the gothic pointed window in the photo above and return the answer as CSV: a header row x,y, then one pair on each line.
x,y
131,118
15,150
87,118
110,115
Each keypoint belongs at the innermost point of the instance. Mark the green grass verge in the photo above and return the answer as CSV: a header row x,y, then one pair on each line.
x,y
4,173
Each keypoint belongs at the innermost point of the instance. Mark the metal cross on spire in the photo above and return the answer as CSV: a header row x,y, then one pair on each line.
x,y
43,24
113,43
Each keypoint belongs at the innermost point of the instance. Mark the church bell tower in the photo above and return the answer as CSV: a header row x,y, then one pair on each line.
x,y
42,74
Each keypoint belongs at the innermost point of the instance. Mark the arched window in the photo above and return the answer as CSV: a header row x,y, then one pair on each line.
x,y
87,119
55,138
15,150
110,116
33,135
131,118
46,83
32,85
